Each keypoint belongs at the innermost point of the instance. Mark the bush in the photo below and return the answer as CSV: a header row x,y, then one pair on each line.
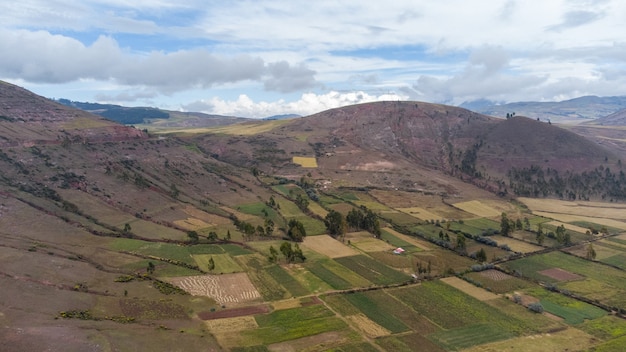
x,y
535,307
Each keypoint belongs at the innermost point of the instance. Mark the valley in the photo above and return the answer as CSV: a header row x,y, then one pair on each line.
x,y
375,227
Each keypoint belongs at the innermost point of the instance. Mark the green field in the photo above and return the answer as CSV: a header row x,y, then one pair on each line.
x,y
291,324
471,335
287,281
224,264
450,308
603,283
572,311
499,286
376,308
372,270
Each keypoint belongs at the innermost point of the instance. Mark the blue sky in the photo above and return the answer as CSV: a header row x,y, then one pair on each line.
x,y
262,58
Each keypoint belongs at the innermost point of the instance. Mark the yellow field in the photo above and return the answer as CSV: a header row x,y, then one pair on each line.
x,y
328,246
242,129
366,326
516,245
571,218
478,208
305,161
317,209
568,226
569,339
420,213
371,244
476,292
588,209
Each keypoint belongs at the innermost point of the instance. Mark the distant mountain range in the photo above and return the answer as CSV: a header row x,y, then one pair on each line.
x,y
573,110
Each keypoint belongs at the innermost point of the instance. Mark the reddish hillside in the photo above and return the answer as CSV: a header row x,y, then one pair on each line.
x,y
27,119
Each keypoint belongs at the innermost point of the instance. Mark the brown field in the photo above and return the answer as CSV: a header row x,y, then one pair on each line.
x,y
569,339
560,274
516,245
286,304
328,246
231,324
206,217
192,224
228,288
420,213
495,275
308,162
478,208
366,326
476,292
234,312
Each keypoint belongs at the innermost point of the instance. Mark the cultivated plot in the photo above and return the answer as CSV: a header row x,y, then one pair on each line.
x,y
478,208
230,288
328,246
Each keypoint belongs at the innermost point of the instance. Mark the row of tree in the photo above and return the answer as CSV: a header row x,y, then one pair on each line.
x,y
357,219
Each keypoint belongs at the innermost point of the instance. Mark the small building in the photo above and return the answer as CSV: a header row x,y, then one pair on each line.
x,y
399,250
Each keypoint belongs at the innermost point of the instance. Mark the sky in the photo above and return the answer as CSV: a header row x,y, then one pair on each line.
x,y
262,58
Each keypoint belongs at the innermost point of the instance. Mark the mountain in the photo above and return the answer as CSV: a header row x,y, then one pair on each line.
x,y
573,110
112,238
153,117
616,119
29,119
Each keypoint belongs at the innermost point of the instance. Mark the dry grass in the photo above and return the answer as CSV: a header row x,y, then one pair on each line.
x,y
191,224
242,129
478,208
367,327
371,244
568,226
580,208
230,288
572,218
476,292
569,339
328,246
303,161
516,245
420,213
231,324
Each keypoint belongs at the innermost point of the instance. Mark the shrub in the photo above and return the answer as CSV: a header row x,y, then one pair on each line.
x,y
535,307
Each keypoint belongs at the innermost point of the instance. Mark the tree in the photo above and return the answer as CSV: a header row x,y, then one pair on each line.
x,y
460,243
193,236
296,230
269,227
302,202
174,192
540,237
127,228
335,224
228,235
518,225
273,257
150,268
481,255
297,253
591,253
212,236
526,224
505,225
287,251
211,264
535,307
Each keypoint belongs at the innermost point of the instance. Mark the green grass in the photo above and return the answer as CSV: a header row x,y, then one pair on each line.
x,y
126,244
616,345
355,347
376,308
482,223
372,270
236,250
224,264
468,336
400,218
451,308
269,288
591,225
330,277
572,311
606,284
206,249
292,285
408,343
168,251
398,242
295,323
607,327
499,286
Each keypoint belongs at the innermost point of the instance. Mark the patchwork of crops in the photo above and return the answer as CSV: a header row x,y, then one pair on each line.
x,y
373,270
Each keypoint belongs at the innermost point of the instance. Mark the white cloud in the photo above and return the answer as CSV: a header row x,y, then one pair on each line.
x,y
308,104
